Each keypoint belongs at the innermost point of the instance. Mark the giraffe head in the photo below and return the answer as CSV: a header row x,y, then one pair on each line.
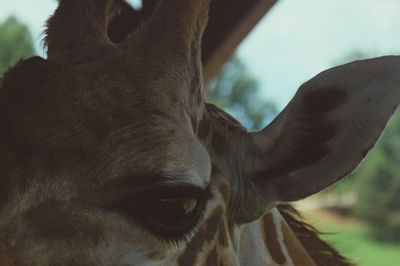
x,y
110,154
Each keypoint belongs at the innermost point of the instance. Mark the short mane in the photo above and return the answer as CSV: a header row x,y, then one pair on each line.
x,y
321,252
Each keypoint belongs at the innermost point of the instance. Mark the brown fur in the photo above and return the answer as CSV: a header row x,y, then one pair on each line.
x,y
53,221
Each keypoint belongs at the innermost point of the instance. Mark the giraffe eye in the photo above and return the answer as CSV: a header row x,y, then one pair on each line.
x,y
174,212
170,212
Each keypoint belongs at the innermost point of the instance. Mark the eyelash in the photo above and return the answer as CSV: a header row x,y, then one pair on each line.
x,y
184,239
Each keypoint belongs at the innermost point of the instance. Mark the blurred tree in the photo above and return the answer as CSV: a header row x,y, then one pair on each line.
x,y
15,43
235,91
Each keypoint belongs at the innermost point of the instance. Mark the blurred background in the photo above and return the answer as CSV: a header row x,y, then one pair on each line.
x,y
295,41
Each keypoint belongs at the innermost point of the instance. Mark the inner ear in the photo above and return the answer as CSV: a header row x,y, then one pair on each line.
x,y
126,23
308,135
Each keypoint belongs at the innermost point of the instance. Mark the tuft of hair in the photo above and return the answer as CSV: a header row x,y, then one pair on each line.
x,y
321,252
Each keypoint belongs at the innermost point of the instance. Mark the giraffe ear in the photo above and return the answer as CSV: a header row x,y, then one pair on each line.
x,y
320,137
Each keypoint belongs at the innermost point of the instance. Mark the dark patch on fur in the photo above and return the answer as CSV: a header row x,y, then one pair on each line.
x,y
212,258
320,251
307,136
324,100
206,234
271,239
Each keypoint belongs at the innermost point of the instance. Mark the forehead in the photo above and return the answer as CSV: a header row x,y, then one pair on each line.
x,y
176,157
112,124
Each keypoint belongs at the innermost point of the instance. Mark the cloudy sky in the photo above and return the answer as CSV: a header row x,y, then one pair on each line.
x,y
297,40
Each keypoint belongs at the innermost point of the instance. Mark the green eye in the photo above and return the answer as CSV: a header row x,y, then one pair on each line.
x,y
187,206
190,206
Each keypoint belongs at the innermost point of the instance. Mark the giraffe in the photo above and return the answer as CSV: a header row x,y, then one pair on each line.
x,y
110,154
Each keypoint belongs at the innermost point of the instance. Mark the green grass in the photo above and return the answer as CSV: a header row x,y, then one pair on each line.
x,y
354,243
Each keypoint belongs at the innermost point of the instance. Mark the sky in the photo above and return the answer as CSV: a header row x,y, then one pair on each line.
x,y
294,42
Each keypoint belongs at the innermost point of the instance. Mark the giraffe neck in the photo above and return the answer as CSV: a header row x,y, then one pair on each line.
x,y
267,241
270,241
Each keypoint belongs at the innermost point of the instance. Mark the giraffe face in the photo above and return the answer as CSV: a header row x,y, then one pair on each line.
x,y
110,155
115,189
127,186
100,157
